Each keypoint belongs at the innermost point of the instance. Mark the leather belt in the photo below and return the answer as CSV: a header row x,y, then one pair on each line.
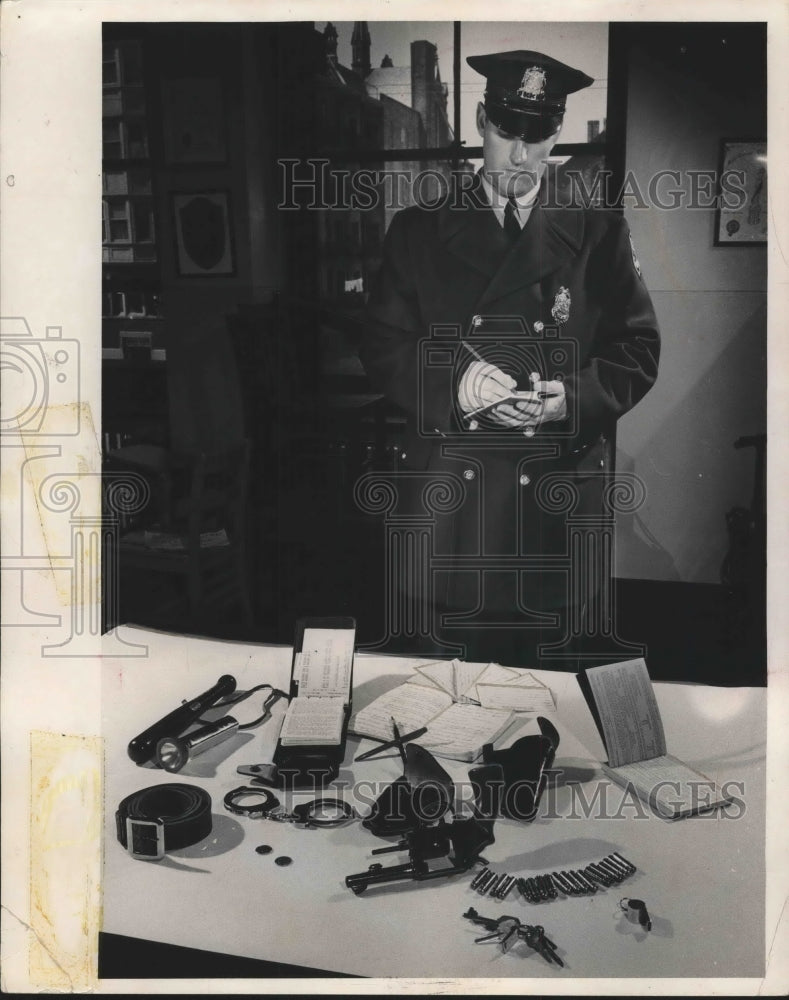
x,y
162,818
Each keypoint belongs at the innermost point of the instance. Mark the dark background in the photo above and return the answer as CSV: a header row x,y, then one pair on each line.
x,y
268,352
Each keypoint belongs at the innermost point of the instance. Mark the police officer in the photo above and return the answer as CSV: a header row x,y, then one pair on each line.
x,y
557,340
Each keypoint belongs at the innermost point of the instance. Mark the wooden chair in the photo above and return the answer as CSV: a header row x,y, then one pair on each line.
x,y
201,533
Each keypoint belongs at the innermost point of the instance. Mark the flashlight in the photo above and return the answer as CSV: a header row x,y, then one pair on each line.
x,y
143,747
172,752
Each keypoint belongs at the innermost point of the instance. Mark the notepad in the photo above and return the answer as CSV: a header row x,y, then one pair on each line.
x,y
322,670
518,697
411,705
461,731
623,704
313,722
456,677
433,697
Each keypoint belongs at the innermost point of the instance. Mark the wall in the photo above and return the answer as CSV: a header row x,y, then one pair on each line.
x,y
247,62
711,306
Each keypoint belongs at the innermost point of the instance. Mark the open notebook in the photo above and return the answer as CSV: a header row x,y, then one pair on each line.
x,y
322,670
622,701
464,706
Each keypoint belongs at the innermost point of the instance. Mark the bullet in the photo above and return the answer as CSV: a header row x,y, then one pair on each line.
x,y
576,889
616,873
479,877
594,872
614,863
507,887
624,861
482,887
587,881
496,885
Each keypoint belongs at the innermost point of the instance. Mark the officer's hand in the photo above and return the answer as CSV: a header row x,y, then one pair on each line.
x,y
555,400
546,403
482,384
524,412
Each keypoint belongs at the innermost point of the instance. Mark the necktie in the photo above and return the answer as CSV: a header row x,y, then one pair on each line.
x,y
511,225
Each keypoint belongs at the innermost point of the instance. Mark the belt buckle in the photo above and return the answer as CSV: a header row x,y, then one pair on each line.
x,y
133,844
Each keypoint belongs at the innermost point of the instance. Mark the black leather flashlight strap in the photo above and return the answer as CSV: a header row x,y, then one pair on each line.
x,y
163,818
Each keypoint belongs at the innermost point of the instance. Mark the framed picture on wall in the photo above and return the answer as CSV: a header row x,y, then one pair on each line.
x,y
193,121
203,234
741,216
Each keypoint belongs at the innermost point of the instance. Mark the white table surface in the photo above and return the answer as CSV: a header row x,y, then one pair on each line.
x,y
702,878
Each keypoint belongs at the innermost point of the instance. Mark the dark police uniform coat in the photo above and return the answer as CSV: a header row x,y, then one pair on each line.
x,y
566,300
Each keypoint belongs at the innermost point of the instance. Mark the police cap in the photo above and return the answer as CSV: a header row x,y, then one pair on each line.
x,y
526,92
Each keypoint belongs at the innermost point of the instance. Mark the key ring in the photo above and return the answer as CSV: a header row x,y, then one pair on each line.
x,y
308,814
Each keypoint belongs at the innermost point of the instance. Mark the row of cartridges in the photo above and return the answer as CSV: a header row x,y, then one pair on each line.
x,y
609,871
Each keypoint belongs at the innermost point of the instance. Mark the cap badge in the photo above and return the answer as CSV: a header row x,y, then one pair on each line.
x,y
561,305
533,84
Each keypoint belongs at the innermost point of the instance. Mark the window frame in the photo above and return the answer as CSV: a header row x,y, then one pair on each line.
x,y
611,148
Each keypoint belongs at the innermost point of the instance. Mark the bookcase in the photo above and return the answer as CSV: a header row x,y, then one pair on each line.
x,y
132,315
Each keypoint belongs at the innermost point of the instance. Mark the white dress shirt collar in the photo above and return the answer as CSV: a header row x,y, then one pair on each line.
x,y
498,202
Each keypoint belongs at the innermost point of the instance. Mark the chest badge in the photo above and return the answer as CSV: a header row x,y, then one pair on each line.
x,y
561,305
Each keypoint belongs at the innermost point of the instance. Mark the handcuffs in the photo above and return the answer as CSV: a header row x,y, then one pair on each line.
x,y
254,809
329,810
326,811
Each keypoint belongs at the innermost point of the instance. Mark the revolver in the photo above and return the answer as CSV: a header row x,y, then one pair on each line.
x,y
460,842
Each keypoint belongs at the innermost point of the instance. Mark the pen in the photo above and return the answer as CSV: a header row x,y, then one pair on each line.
x,y
392,743
491,406
398,740
479,357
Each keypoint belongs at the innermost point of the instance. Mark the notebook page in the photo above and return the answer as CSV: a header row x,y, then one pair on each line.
x,y
628,711
411,705
494,673
422,678
672,786
516,697
462,731
465,677
526,679
313,721
440,673
325,662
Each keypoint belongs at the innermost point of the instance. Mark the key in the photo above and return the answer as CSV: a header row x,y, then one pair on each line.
x,y
489,923
535,938
504,928
509,929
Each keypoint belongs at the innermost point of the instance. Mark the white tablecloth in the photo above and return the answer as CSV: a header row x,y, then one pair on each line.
x,y
702,878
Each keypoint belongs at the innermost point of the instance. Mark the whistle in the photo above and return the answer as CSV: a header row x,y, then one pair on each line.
x,y
143,747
